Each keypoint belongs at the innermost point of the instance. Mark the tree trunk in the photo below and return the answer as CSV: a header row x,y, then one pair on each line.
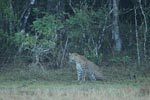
x,y
10,17
64,52
145,24
115,27
137,37
23,20
25,15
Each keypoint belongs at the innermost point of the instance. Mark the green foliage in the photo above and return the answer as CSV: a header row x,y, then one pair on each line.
x,y
3,5
85,22
82,20
46,29
120,59
43,41
36,12
48,25
26,40
46,43
78,23
84,28
93,57
6,41
45,35
19,37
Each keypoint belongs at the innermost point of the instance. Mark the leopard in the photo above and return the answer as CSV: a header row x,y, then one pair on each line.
x,y
85,68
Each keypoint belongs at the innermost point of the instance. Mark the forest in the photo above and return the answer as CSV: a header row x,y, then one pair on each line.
x,y
36,37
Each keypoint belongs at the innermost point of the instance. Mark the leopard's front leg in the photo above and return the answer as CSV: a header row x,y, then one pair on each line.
x,y
79,71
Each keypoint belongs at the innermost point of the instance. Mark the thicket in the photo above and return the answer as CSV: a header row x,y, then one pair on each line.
x,y
49,35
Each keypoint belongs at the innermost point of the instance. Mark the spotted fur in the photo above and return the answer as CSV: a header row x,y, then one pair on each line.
x,y
85,68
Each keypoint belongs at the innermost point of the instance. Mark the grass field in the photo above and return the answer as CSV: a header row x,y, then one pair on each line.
x,y
63,86
46,90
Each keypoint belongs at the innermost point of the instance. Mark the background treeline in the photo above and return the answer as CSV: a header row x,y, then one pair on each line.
x,y
42,32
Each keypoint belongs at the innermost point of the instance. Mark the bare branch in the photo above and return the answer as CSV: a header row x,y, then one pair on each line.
x,y
137,37
145,22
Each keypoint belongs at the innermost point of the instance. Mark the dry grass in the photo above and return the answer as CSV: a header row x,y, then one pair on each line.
x,y
87,91
15,85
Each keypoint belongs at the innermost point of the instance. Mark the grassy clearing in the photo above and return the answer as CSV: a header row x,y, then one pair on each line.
x,y
61,85
38,90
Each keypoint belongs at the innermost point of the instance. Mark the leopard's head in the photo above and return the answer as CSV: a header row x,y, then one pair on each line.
x,y
73,57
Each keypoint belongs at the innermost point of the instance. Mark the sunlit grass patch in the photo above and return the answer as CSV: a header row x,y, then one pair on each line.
x,y
72,91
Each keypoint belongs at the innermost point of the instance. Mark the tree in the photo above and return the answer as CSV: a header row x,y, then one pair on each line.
x,y
115,26
87,27
25,15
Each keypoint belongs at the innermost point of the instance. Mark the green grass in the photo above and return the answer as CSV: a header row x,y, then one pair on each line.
x,y
61,90
61,84
65,90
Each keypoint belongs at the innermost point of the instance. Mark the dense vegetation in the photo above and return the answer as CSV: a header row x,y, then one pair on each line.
x,y
37,35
